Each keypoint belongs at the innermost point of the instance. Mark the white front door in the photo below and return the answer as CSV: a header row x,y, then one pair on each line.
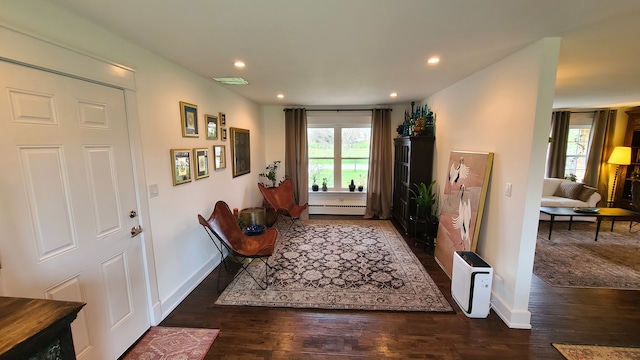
x,y
68,205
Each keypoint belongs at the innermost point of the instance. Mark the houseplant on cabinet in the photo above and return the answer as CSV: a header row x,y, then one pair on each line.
x,y
314,178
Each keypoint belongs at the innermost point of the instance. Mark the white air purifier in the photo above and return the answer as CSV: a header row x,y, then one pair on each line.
x,y
471,283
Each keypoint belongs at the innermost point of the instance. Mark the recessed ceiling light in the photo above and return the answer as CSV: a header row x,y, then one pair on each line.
x,y
433,60
393,94
280,96
231,80
239,64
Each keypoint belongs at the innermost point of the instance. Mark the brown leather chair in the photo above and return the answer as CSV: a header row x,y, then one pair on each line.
x,y
281,199
222,225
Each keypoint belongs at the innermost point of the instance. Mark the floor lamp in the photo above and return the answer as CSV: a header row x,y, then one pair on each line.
x,y
621,155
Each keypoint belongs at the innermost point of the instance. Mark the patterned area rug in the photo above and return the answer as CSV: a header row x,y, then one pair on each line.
x,y
574,259
588,352
165,343
328,264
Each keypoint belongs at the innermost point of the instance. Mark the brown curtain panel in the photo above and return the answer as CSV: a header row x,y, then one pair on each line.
x,y
295,155
597,171
380,166
556,155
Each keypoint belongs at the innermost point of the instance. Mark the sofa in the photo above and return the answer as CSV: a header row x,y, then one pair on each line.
x,y
566,193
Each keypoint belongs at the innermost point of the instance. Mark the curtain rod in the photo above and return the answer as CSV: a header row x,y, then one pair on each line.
x,y
337,110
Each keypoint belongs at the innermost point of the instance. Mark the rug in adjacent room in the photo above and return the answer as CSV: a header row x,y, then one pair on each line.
x,y
574,259
589,352
164,343
341,264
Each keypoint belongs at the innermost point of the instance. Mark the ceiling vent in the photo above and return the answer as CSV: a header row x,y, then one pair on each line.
x,y
231,80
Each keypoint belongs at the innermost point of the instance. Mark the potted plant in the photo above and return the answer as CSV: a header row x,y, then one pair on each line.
x,y
270,174
314,178
324,184
361,183
426,206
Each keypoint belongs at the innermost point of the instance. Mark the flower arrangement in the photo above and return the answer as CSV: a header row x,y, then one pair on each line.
x,y
571,177
271,173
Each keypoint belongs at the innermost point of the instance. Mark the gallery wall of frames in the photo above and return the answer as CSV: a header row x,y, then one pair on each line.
x,y
194,163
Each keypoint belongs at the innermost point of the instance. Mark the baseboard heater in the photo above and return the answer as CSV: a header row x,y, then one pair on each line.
x,y
329,209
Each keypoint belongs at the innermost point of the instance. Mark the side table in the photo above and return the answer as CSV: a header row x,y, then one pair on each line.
x,y
418,233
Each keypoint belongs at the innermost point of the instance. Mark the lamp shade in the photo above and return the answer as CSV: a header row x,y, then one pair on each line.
x,y
621,155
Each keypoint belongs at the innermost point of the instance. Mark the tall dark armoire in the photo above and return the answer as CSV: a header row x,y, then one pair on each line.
x,y
412,164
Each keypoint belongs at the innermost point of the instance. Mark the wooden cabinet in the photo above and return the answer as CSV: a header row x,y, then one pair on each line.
x,y
36,328
413,163
629,174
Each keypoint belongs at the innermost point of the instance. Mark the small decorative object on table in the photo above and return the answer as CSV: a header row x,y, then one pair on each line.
x,y
589,210
253,230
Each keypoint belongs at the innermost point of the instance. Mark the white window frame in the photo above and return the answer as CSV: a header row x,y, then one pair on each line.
x,y
580,121
338,120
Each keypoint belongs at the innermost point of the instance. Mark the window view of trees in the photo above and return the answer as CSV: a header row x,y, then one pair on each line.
x,y
338,155
577,145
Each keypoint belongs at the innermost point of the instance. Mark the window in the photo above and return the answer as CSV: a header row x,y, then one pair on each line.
x,y
578,145
338,146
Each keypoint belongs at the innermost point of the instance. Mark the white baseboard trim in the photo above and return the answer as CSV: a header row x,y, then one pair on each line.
x,y
513,319
156,311
169,304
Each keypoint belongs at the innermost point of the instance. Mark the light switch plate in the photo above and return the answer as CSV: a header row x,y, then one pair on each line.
x,y
153,190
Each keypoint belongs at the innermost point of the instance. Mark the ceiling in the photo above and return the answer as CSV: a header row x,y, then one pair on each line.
x,y
357,52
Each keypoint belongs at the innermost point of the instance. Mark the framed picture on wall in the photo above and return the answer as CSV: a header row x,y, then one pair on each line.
x,y
189,119
223,136
211,123
181,166
223,119
461,215
219,157
201,157
240,152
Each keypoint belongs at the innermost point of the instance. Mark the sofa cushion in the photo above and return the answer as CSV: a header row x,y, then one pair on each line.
x,y
559,201
586,193
550,186
569,189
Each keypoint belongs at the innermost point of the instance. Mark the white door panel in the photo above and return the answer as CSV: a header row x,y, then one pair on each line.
x,y
67,192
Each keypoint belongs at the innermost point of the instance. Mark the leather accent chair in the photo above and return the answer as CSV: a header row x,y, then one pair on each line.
x,y
223,226
282,200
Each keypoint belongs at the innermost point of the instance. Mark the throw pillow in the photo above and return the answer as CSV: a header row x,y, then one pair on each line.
x,y
586,193
569,189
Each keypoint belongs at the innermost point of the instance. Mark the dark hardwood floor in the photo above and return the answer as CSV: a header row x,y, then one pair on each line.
x,y
561,315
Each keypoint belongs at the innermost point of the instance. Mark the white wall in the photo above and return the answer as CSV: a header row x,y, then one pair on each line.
x,y
182,251
505,109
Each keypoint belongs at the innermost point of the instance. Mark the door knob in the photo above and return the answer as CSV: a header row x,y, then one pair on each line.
x,y
136,230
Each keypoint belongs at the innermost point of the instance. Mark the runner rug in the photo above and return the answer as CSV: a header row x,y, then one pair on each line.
x,y
588,352
165,343
574,259
341,264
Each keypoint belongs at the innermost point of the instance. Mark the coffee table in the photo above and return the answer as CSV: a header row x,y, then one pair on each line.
x,y
611,213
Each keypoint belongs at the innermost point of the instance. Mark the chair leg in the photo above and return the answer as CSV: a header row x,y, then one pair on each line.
x,y
266,271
